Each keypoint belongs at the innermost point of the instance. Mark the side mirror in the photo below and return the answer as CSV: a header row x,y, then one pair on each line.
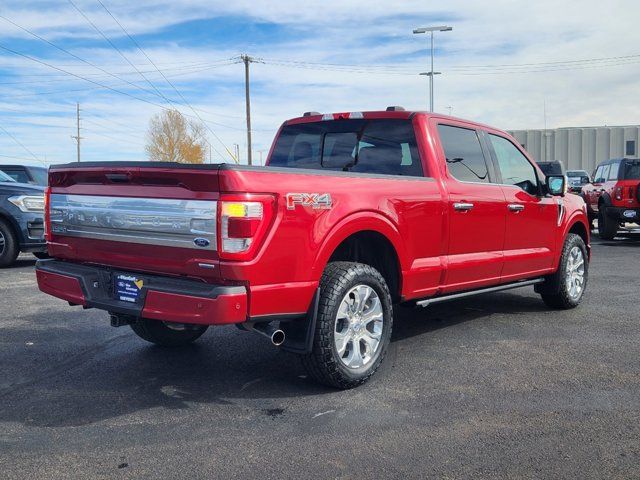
x,y
557,185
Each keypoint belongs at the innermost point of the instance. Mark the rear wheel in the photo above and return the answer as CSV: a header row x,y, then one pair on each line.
x,y
565,288
8,245
167,334
353,326
607,228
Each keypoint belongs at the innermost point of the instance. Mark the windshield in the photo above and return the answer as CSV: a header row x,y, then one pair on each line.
x,y
631,170
5,178
40,175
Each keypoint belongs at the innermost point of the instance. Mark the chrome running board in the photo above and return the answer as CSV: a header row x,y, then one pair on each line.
x,y
497,288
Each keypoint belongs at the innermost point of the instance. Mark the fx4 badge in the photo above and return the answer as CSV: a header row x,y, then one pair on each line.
x,y
317,201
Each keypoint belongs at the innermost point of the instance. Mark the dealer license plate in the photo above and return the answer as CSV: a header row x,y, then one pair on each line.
x,y
127,288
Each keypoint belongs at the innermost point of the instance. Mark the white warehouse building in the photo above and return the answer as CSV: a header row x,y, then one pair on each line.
x,y
580,148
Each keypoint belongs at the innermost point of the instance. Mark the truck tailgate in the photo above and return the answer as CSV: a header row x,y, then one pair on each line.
x,y
136,216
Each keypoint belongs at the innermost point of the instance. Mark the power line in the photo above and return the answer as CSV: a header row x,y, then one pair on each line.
x,y
21,144
101,85
73,54
462,69
184,70
167,80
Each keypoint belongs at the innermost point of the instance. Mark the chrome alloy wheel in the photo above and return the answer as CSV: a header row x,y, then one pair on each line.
x,y
574,274
358,326
2,243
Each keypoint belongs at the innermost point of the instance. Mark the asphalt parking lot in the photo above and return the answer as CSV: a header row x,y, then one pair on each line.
x,y
495,386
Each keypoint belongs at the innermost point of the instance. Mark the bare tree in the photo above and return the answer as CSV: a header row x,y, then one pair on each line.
x,y
173,138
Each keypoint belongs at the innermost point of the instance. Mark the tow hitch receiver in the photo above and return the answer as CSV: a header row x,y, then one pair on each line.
x,y
121,320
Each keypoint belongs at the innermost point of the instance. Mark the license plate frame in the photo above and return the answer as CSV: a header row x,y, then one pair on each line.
x,y
127,287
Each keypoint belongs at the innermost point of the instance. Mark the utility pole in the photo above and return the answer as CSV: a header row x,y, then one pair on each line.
x,y
77,136
246,59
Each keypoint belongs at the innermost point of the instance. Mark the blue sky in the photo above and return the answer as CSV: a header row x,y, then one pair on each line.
x,y
501,64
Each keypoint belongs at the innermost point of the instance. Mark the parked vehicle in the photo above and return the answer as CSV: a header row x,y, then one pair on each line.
x,y
614,196
577,179
26,174
551,168
354,212
21,220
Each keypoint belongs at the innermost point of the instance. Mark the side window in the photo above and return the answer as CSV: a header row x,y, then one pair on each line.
x,y
613,172
465,160
605,173
515,167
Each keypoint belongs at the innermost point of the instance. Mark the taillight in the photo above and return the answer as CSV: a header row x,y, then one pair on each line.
x,y
244,221
618,193
47,215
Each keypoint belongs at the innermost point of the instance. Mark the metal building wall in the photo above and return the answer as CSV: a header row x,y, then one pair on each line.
x,y
579,147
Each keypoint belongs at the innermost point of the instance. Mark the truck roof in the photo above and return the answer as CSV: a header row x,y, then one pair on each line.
x,y
391,113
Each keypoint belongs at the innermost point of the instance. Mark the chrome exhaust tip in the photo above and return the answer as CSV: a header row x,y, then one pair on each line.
x,y
273,333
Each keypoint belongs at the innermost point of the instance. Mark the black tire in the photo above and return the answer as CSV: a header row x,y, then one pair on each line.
x,y
41,255
555,291
8,244
607,228
324,364
156,331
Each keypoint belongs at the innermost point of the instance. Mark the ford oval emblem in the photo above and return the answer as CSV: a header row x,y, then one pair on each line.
x,y
201,242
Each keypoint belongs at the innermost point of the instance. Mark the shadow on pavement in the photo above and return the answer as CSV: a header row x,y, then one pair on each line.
x,y
120,374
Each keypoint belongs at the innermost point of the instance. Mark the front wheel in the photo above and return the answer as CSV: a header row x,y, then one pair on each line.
x,y
167,334
353,326
8,244
565,288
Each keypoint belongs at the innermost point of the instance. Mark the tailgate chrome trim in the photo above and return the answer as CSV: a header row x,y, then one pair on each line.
x,y
150,221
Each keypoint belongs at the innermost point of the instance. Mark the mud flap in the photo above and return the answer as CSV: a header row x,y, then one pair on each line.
x,y
299,333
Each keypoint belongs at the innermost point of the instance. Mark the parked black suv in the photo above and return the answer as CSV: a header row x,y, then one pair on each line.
x,y
551,168
26,174
21,220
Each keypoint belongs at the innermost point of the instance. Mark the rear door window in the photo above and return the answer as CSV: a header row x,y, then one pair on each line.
x,y
365,146
463,153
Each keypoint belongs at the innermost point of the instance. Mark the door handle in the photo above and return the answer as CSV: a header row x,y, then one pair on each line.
x,y
462,207
515,207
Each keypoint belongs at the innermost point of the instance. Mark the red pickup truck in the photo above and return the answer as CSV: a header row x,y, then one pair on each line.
x,y
353,213
614,195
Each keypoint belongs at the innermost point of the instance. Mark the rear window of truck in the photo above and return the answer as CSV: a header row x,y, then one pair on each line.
x,y
631,170
385,147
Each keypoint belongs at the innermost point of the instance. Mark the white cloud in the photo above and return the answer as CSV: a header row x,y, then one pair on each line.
x,y
357,32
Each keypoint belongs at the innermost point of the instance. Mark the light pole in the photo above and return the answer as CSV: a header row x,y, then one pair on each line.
x,y
430,30
430,75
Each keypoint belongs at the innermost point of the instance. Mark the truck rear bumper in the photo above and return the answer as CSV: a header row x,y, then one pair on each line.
x,y
623,214
161,298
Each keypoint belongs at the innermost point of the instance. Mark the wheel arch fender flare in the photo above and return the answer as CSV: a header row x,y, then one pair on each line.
x,y
576,218
352,224
605,199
